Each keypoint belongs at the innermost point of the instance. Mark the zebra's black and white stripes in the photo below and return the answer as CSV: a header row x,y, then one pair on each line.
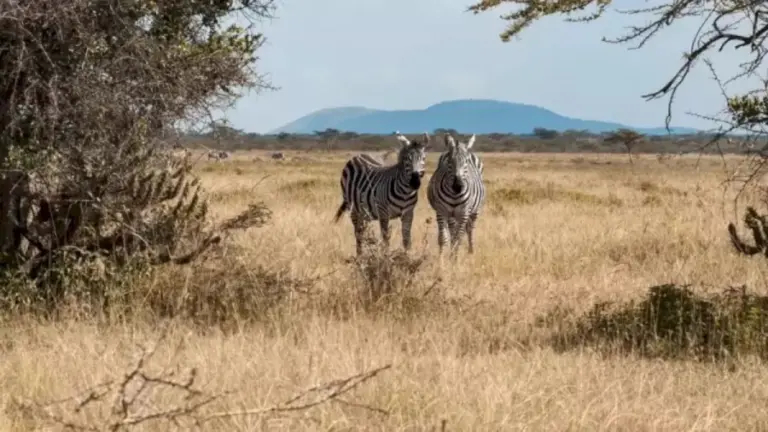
x,y
456,192
372,191
218,155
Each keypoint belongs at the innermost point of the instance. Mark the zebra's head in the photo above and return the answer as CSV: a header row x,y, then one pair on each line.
x,y
457,161
411,158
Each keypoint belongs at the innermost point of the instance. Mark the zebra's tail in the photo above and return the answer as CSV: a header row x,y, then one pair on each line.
x,y
342,208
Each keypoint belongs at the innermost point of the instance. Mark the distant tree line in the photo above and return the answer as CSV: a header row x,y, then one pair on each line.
x,y
222,136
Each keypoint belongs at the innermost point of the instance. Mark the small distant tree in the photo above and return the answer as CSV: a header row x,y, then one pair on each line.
x,y
627,137
328,137
546,134
443,131
497,136
284,137
222,131
349,135
576,133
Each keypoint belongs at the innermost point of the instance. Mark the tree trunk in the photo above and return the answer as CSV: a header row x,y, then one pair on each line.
x,y
629,154
14,212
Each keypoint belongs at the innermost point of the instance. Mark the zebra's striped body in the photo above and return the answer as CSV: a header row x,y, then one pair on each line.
x,y
374,192
456,193
217,155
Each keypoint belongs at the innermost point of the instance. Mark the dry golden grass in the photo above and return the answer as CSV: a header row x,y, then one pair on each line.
x,y
558,230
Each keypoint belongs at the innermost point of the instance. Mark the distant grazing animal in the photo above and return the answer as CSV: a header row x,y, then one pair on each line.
x,y
456,193
371,191
278,156
218,155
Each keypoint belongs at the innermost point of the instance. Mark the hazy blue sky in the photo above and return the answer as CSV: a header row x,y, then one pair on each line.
x,y
409,54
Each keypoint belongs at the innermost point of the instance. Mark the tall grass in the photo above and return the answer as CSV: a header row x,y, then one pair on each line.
x,y
284,330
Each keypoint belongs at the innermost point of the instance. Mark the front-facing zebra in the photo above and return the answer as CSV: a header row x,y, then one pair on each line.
x,y
372,191
456,192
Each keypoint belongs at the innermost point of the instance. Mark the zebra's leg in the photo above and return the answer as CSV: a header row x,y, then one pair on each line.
x,y
384,225
406,221
359,223
442,231
460,226
470,230
452,230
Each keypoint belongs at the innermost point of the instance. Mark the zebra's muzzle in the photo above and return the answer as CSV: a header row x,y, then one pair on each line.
x,y
415,180
457,186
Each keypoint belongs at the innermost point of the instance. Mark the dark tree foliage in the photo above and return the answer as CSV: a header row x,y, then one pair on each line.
x,y
626,137
89,91
545,133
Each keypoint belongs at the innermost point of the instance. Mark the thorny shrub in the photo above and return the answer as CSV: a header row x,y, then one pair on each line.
x,y
672,321
92,94
385,275
223,291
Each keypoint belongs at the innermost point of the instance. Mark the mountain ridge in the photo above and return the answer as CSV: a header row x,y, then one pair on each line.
x,y
479,116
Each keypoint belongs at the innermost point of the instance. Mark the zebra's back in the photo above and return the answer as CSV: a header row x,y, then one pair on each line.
x,y
365,181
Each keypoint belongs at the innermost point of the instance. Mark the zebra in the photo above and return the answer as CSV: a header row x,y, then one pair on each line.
x,y
456,193
218,155
372,191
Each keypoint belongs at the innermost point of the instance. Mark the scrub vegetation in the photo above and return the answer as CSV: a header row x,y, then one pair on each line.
x,y
586,305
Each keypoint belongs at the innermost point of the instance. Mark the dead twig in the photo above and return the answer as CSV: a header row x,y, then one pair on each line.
x,y
133,402
313,397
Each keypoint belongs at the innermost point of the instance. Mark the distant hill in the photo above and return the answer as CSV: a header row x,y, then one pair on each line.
x,y
478,116
319,120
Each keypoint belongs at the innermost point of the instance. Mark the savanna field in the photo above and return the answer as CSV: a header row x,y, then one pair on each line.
x,y
278,314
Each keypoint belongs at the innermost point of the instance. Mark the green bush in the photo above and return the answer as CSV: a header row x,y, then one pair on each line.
x,y
672,321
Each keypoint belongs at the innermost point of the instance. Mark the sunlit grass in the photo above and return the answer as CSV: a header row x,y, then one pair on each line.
x,y
465,341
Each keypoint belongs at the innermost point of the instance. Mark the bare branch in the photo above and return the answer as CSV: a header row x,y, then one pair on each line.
x,y
312,397
131,398
736,25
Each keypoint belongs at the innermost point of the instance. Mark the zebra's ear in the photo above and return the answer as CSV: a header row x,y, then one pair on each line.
x,y
403,140
471,142
450,143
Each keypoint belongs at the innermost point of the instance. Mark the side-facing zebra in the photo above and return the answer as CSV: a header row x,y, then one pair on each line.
x,y
372,191
456,192
218,155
